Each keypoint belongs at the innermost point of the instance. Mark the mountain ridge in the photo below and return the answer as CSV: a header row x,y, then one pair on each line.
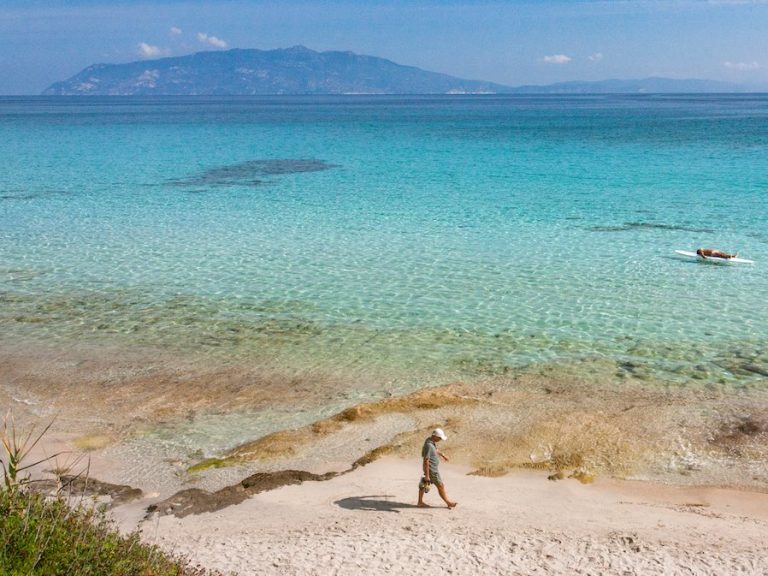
x,y
300,70
650,85
295,70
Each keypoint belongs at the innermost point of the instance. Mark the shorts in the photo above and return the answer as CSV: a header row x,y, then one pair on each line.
x,y
434,478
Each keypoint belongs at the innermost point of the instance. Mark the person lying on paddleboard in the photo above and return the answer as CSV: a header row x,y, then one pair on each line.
x,y
704,252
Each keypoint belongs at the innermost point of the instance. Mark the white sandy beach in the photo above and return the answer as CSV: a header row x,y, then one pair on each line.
x,y
365,522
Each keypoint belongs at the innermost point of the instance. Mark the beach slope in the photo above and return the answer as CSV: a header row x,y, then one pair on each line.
x,y
365,522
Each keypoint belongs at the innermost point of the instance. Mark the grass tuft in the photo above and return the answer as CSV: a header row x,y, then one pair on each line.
x,y
43,535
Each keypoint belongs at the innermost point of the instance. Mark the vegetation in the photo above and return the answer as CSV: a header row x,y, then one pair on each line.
x,y
66,535
15,469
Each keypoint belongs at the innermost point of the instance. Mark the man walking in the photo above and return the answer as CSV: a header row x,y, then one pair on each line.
x,y
430,462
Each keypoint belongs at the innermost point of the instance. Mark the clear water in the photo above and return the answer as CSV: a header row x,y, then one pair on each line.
x,y
410,239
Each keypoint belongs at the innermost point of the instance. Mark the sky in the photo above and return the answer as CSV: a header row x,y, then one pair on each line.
x,y
509,42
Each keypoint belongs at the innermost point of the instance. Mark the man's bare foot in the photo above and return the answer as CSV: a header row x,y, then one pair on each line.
x,y
452,505
422,505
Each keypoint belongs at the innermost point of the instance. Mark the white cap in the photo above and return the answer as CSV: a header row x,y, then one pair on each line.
x,y
439,433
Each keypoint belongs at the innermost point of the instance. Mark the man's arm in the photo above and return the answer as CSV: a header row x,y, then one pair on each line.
x,y
443,456
426,469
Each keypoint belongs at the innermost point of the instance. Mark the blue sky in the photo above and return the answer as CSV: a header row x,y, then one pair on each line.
x,y
512,42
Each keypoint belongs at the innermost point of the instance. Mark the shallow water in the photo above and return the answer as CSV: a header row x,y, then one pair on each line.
x,y
410,240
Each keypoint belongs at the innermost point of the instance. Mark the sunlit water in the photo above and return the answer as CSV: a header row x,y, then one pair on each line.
x,y
411,239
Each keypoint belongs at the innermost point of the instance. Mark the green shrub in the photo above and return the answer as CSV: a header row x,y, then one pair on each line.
x,y
48,536
58,536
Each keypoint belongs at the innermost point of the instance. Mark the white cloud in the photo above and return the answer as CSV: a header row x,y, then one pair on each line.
x,y
742,66
596,57
148,51
211,40
557,59
174,31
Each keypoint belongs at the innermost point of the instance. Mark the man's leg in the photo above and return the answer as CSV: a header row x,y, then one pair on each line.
x,y
444,496
421,503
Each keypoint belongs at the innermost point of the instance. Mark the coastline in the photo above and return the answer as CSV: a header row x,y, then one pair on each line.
x,y
242,342
645,479
170,422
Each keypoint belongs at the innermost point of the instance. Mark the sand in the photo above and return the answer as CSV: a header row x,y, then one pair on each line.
x,y
125,412
365,522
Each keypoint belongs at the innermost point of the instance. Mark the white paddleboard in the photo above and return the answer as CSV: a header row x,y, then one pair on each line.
x,y
714,259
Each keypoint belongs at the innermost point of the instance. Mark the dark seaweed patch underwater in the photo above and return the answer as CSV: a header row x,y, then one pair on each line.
x,y
629,226
252,172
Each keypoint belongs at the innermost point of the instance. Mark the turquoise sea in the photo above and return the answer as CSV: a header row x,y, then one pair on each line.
x,y
406,240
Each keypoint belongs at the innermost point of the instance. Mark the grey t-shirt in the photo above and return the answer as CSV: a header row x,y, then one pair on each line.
x,y
430,451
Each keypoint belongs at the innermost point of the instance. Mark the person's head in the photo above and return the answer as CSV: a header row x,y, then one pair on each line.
x,y
438,434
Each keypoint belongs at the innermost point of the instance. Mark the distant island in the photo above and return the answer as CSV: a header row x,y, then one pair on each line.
x,y
299,70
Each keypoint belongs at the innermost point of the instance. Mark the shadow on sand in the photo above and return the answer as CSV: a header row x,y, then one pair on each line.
x,y
373,503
